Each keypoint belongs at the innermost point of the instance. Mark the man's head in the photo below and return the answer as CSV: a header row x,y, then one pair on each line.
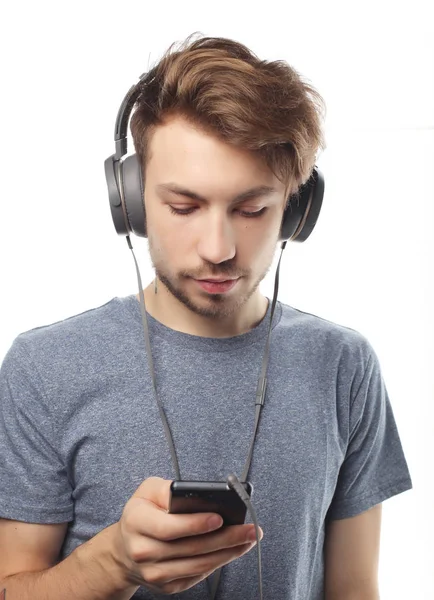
x,y
220,135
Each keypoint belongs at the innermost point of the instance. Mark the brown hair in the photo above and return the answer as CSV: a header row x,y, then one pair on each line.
x,y
225,89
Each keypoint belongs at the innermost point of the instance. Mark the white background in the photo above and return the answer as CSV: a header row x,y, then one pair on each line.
x,y
65,69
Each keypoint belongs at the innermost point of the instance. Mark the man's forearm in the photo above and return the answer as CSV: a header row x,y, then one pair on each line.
x,y
88,573
354,595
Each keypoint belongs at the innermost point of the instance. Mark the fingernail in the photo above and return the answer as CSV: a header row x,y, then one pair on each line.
x,y
251,536
214,522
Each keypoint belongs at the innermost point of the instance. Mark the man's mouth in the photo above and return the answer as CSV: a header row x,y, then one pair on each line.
x,y
217,286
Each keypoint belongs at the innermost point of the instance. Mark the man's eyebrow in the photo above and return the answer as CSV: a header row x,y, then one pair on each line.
x,y
260,190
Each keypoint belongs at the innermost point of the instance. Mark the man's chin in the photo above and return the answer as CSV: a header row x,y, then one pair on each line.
x,y
209,305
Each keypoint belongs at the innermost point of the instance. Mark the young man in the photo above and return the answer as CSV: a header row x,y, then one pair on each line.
x,y
223,140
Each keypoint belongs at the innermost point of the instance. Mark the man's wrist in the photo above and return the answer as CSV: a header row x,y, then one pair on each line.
x,y
100,554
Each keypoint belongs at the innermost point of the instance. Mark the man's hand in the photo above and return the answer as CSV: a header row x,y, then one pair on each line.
x,y
170,553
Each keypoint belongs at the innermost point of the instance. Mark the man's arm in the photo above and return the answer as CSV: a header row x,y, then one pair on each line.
x,y
352,549
88,573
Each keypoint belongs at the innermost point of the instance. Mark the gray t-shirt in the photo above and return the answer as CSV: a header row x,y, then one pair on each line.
x,y
80,431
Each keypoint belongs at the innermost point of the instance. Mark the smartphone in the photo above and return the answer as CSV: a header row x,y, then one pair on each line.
x,y
209,496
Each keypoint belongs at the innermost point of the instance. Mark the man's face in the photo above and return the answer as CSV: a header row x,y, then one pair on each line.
x,y
190,171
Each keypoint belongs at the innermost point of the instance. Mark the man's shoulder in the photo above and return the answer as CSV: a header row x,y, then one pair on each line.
x,y
321,333
72,332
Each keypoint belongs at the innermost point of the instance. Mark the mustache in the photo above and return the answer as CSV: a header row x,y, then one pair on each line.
x,y
216,272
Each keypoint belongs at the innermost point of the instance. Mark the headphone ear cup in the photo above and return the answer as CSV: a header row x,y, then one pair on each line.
x,y
134,195
111,168
303,208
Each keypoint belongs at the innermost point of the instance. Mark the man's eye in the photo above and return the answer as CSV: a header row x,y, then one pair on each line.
x,y
188,211
180,211
252,215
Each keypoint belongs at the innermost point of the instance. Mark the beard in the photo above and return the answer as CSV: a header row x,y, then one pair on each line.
x,y
211,306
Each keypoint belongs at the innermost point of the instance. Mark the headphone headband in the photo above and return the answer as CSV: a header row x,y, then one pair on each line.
x,y
123,116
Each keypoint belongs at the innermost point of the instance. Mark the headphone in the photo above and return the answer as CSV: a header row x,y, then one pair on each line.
x,y
126,186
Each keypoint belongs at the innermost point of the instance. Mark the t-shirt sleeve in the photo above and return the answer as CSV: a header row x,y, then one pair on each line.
x,y
374,468
34,485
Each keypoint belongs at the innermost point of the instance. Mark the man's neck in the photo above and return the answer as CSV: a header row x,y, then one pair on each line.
x,y
166,309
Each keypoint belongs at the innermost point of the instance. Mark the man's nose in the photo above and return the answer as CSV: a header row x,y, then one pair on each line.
x,y
217,240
